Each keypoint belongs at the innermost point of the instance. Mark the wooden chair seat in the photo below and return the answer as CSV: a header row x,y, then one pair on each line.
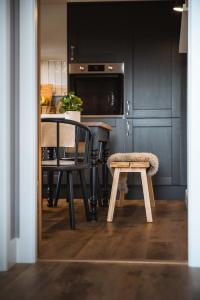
x,y
132,167
129,164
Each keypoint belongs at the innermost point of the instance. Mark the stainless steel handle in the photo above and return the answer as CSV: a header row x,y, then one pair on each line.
x,y
128,107
128,128
72,53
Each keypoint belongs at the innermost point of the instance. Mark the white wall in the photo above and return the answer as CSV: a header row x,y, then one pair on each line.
x,y
194,133
53,31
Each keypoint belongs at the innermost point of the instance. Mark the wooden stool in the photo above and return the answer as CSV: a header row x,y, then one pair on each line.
x,y
132,167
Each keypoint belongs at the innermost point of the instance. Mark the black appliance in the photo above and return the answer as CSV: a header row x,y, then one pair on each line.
x,y
100,85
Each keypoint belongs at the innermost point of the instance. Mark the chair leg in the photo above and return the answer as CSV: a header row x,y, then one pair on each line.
x,y
113,195
58,186
67,188
71,200
146,195
85,198
151,193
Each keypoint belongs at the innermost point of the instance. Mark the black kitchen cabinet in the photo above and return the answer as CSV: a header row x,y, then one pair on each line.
x,y
158,83
161,137
145,36
96,31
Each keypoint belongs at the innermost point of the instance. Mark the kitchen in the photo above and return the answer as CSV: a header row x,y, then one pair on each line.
x,y
153,84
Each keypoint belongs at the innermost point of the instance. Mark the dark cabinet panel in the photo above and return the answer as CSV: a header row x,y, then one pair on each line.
x,y
158,73
161,137
151,70
97,31
117,137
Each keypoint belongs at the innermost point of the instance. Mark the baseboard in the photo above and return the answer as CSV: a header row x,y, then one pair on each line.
x,y
9,259
12,253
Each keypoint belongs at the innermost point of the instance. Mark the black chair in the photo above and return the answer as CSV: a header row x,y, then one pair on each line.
x,y
68,161
99,191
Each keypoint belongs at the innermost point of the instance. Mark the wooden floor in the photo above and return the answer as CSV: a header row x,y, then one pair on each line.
x,y
100,281
128,238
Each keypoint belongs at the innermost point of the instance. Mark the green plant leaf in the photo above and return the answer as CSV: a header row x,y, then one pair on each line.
x,y
71,102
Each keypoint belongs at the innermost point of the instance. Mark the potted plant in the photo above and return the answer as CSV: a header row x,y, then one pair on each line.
x,y
71,105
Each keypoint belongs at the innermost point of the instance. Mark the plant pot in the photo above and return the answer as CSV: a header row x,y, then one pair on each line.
x,y
73,115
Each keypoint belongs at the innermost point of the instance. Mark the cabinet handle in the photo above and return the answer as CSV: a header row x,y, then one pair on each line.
x,y
128,107
72,48
128,128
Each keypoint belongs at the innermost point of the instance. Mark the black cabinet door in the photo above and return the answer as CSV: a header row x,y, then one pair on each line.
x,y
151,73
161,137
157,85
97,31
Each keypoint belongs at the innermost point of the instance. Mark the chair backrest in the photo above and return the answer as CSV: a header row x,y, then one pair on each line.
x,y
70,139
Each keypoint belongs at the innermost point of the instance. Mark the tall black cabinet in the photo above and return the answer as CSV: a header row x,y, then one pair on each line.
x,y
145,36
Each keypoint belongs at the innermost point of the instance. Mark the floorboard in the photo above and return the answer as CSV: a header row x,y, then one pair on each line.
x,y
94,281
128,238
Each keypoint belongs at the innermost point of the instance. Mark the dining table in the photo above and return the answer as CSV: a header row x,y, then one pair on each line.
x,y
99,155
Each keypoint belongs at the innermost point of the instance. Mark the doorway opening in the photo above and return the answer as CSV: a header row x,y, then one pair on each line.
x,y
145,37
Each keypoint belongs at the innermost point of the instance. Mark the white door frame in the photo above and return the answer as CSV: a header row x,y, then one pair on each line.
x,y
7,241
23,248
193,132
28,137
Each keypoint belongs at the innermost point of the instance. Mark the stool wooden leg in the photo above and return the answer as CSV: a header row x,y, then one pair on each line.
x,y
151,193
122,194
146,195
113,195
121,199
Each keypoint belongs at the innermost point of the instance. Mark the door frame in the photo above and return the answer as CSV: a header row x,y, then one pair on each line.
x,y
28,135
193,125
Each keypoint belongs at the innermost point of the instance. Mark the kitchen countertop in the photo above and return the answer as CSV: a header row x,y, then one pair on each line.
x,y
97,124
89,124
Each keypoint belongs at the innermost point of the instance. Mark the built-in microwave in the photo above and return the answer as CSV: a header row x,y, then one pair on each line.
x,y
100,85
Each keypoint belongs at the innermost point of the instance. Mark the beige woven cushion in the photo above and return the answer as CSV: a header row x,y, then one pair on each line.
x,y
132,157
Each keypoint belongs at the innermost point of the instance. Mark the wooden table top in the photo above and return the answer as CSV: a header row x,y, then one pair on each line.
x,y
97,124
89,124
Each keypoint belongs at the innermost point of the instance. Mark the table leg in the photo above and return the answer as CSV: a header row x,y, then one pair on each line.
x,y
93,181
105,156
